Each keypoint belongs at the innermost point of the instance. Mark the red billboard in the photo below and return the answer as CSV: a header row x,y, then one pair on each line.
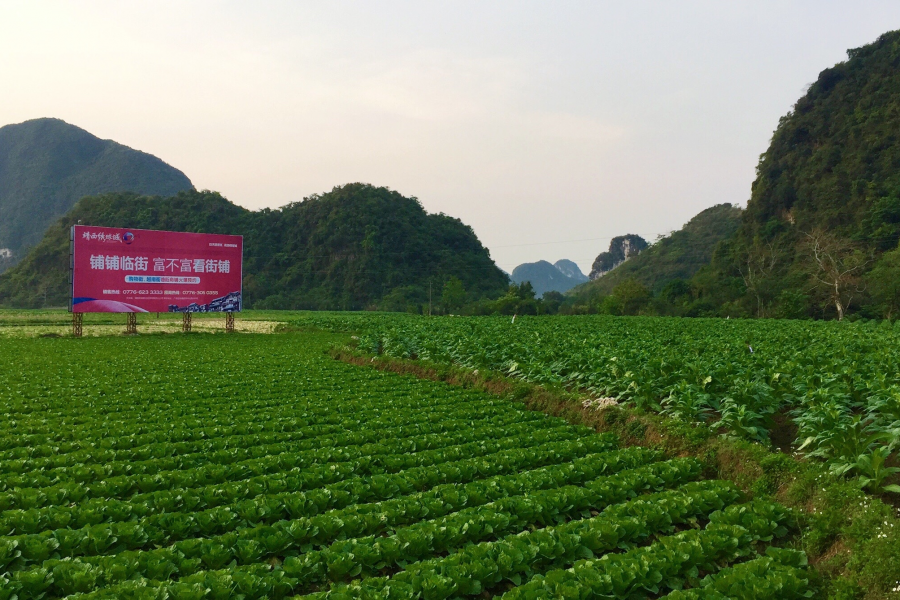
x,y
139,270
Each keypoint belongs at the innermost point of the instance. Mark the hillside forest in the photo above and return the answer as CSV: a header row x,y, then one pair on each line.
x,y
47,165
355,247
818,238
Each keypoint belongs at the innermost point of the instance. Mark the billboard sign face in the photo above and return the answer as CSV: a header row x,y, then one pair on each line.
x,y
139,270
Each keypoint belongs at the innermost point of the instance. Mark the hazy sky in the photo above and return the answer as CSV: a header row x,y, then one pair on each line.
x,y
548,127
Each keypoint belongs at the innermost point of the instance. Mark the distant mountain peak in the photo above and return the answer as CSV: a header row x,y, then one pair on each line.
x,y
621,248
545,277
570,269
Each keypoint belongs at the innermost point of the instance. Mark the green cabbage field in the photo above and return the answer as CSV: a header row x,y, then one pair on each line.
x,y
256,466
832,388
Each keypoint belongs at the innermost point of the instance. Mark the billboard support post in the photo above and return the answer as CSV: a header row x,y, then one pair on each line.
x,y
186,322
229,322
131,323
77,322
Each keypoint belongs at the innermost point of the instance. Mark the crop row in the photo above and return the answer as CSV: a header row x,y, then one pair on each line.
x,y
113,417
256,508
19,552
302,452
278,416
667,563
780,574
124,392
288,538
160,528
256,581
479,567
182,437
371,555
124,487
359,432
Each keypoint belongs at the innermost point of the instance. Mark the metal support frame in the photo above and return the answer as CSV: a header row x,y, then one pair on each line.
x,y
77,323
131,323
229,322
186,322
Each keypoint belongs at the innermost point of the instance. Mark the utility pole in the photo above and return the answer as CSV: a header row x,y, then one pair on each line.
x,y
429,297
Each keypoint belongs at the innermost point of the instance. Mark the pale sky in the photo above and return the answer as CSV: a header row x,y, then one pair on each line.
x,y
549,127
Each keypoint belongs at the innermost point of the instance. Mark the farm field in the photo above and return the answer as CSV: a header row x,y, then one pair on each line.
x,y
256,466
827,390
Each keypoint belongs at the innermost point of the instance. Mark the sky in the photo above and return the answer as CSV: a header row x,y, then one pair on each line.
x,y
548,127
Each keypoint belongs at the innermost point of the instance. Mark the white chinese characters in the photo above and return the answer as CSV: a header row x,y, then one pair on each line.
x,y
101,237
103,262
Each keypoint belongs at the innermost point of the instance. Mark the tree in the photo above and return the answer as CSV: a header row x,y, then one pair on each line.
x,y
454,295
884,284
553,296
836,265
756,267
631,296
524,290
676,292
551,302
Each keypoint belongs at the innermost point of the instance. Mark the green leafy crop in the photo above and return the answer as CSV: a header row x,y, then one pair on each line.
x,y
253,466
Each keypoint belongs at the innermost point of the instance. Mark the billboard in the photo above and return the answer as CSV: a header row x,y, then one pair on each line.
x,y
139,270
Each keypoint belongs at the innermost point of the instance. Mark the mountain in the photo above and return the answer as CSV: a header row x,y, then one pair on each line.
x,y
571,270
355,247
621,248
819,237
678,256
825,204
47,165
544,277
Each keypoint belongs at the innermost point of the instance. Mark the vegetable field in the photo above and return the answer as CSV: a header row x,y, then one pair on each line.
x,y
830,390
255,466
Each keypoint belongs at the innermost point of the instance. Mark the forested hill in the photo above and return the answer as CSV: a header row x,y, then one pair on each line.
x,y
355,247
826,201
819,236
675,257
47,165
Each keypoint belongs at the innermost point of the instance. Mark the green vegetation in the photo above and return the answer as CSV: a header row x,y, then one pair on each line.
x,y
621,248
730,535
849,527
820,233
828,390
47,165
669,263
355,247
261,467
826,201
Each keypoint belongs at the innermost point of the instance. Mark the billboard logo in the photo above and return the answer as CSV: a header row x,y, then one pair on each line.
x,y
94,236
128,237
